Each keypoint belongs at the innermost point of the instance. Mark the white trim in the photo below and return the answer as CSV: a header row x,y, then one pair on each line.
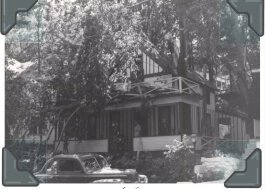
x,y
153,143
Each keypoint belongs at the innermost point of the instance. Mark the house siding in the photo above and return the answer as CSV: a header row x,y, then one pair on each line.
x,y
153,141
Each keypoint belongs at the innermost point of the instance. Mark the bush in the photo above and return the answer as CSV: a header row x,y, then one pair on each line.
x,y
122,161
174,165
180,161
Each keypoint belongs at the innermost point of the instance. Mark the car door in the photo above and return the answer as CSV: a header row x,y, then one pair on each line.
x,y
70,171
49,172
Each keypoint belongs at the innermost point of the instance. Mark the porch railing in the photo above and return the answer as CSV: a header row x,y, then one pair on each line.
x,y
209,142
168,85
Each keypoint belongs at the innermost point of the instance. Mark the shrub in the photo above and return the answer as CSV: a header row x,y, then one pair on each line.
x,y
180,161
174,165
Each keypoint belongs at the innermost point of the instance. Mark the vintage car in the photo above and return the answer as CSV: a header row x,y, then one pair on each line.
x,y
85,169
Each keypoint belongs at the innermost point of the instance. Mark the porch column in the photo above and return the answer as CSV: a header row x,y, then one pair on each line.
x,y
180,84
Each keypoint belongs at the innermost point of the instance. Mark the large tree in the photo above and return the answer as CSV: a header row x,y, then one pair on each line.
x,y
86,46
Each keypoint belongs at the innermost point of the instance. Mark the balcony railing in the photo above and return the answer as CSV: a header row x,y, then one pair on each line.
x,y
160,85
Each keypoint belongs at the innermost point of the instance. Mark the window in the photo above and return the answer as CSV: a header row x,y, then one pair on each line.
x,y
69,165
185,118
115,124
91,127
82,126
164,121
72,130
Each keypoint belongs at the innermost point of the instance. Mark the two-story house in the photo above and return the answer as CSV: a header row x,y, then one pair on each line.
x,y
151,110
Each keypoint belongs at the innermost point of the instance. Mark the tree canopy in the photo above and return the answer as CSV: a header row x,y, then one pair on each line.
x,y
83,47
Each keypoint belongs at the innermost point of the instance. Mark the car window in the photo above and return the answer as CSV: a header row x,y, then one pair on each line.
x,y
102,161
69,165
90,164
51,164
51,167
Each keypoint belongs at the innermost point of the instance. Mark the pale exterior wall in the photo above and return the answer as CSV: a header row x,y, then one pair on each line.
x,y
85,146
153,143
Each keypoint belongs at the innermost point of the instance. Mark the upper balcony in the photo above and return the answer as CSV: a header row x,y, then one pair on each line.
x,y
165,84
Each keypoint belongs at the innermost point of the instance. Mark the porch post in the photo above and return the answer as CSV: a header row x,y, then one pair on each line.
x,y
180,84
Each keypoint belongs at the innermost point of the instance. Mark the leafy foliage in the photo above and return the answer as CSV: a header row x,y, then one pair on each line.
x,y
174,165
86,46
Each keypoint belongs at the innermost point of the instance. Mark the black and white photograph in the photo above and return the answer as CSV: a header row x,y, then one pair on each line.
x,y
132,91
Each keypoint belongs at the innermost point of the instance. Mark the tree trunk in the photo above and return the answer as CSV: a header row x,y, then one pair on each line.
x,y
190,53
182,55
65,124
